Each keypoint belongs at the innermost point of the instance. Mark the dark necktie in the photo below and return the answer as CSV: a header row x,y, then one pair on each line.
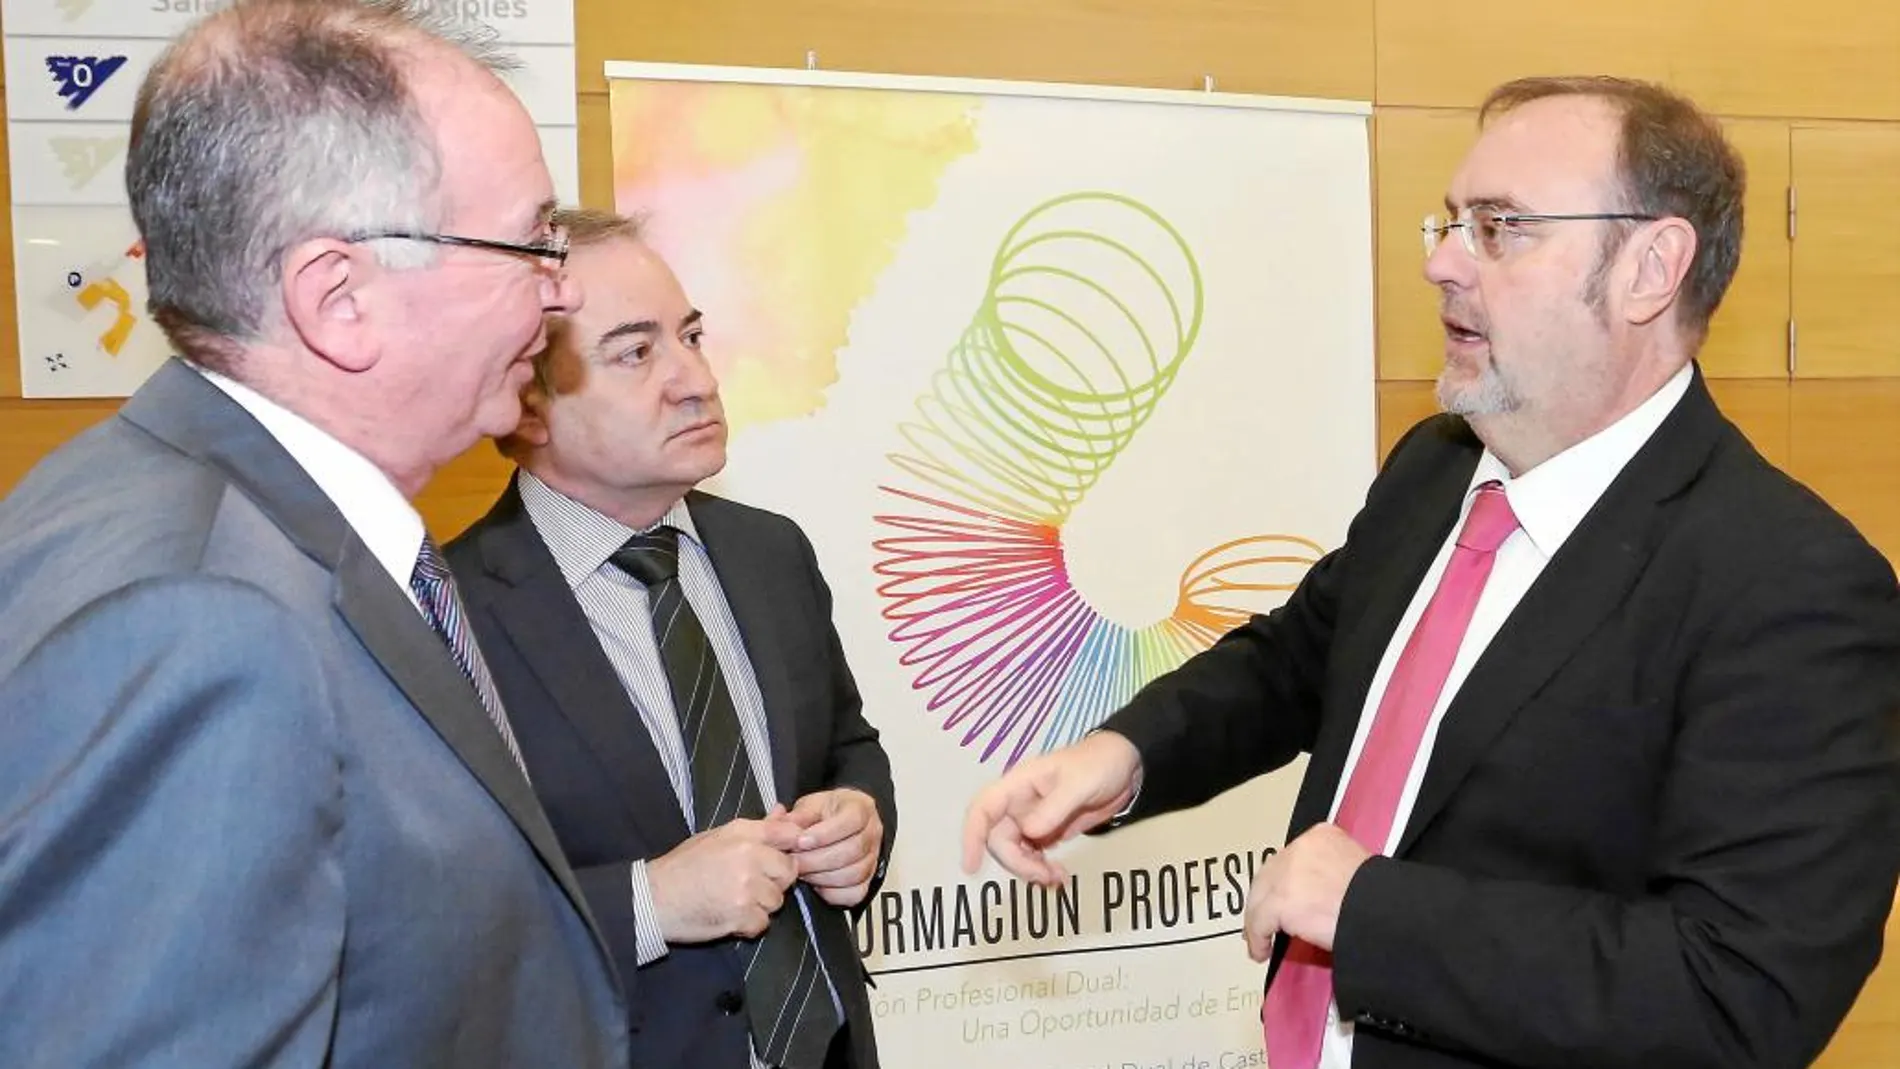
x,y
434,589
787,1004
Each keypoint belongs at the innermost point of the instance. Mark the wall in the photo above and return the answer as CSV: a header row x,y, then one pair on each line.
x,y
1811,92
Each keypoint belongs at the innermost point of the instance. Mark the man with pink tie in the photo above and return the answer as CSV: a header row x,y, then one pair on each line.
x,y
1600,705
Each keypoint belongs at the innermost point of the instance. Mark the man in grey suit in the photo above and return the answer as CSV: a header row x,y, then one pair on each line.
x,y
258,803
680,694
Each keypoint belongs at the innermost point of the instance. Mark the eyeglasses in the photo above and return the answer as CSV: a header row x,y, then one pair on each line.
x,y
1484,229
554,248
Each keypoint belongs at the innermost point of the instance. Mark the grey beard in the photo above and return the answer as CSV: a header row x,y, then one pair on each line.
x,y
1492,395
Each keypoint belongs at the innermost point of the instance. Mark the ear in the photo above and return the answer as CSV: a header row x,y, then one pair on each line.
x,y
323,288
1664,250
533,431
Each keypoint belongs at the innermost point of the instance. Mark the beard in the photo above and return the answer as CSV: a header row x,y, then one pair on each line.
x,y
1492,395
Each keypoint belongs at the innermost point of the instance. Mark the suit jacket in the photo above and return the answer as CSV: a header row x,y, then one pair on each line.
x,y
600,777
1661,822
251,813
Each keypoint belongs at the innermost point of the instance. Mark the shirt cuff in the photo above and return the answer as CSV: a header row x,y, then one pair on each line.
x,y
649,943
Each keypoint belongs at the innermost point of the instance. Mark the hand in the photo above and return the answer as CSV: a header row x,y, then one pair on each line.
x,y
725,882
1048,800
837,849
1299,890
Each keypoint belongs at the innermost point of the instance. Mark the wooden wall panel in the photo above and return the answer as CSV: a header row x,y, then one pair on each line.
x,y
1402,404
1846,266
1296,47
9,326
31,429
1760,409
596,134
463,491
1749,336
1415,153
1845,443
1741,57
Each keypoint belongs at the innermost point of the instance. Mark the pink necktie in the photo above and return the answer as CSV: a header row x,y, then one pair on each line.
x,y
1294,1013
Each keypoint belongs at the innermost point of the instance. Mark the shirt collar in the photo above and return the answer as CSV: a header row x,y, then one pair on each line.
x,y
371,504
1551,499
580,537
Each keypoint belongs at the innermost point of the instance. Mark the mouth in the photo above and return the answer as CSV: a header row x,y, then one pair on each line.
x,y
696,429
1462,334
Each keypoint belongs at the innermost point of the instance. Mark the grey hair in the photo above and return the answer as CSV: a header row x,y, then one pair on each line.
x,y
271,122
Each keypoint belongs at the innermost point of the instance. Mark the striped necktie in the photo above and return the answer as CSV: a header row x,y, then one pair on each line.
x,y
787,1004
434,588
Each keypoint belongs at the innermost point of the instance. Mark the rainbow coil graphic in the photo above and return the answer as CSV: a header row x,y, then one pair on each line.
x,y
1093,304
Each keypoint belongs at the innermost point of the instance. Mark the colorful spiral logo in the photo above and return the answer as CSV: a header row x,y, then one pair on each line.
x,y
1093,304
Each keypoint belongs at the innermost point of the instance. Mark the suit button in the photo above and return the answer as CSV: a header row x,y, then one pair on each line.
x,y
729,1002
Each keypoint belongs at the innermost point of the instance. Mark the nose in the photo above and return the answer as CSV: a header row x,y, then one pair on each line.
x,y
693,376
561,292
1450,264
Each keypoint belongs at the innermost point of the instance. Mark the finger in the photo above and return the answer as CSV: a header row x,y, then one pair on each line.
x,y
1259,944
1060,802
763,895
847,822
751,922
1262,920
852,870
779,834
845,897
779,868
1021,857
838,855
1080,822
1259,930
986,810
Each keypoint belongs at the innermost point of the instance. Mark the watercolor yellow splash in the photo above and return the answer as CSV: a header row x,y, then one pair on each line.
x,y
779,207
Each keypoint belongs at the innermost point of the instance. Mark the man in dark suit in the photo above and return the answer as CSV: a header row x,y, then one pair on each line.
x,y
258,806
1600,706
679,691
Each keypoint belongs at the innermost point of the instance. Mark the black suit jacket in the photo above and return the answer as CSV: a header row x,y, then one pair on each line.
x,y
1660,825
599,777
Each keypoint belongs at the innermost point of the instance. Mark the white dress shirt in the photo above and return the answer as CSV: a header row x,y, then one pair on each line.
x,y
370,503
1550,501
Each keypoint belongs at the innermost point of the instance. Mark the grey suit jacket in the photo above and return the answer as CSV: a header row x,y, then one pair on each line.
x,y
251,814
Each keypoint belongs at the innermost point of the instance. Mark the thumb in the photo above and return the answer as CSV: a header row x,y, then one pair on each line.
x,y
810,809
1058,801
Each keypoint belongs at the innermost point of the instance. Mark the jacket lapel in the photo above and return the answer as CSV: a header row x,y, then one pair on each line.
x,y
180,407
419,663
1588,579
531,600
748,584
